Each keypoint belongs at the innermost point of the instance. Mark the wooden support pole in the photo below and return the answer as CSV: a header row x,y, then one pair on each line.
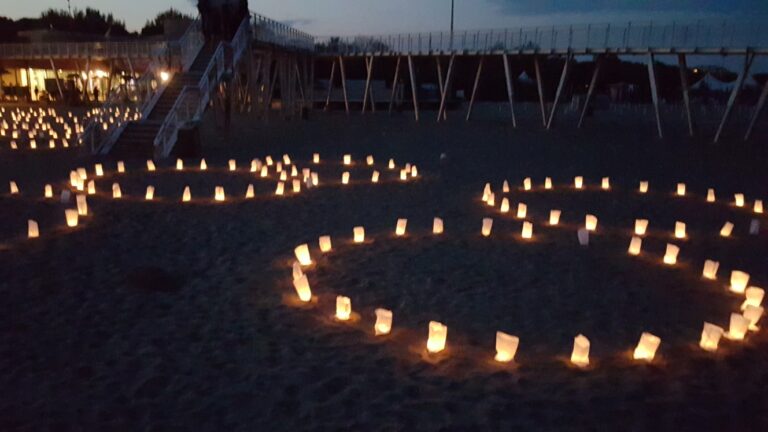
x,y
735,93
440,83
394,83
474,87
130,67
683,66
369,72
441,110
592,84
330,85
560,88
413,88
300,82
311,83
272,82
344,83
758,109
654,93
540,89
86,90
109,80
510,89
56,74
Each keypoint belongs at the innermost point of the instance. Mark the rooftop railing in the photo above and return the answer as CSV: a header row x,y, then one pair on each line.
x,y
273,32
705,36
96,50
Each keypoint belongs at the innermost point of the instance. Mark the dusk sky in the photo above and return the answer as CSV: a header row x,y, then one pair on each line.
x,y
328,17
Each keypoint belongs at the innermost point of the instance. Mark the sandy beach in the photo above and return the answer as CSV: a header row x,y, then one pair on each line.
x,y
169,316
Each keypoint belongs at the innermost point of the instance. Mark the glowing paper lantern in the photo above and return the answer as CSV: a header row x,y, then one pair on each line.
x,y
710,195
32,229
414,171
179,165
554,217
710,337
726,230
400,228
91,187
150,165
280,188
358,234
438,333
504,205
325,243
486,191
82,205
232,165
302,254
505,187
643,187
71,216
646,347
375,177
187,195
249,193
283,176
753,314
580,354
710,269
255,165
641,225
527,230
487,224
754,297
606,183
369,160
670,256
296,183
343,308
345,177
527,183
403,174
150,195
437,226
48,191
264,171
738,199
578,182
120,167
758,208
116,193
590,222
681,189
679,230
99,170
391,164
547,183
302,288
506,347
269,160
738,327
583,236
522,210
296,270
383,322
739,281
635,245
491,199
82,173
14,188
316,158
347,159
286,159
203,165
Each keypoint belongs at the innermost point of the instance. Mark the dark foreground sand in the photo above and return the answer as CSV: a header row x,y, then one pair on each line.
x,y
169,317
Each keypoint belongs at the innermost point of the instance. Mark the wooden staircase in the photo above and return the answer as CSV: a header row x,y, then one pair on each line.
x,y
137,139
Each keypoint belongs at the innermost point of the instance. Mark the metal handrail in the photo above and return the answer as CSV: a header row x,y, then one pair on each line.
x,y
190,44
270,31
702,35
101,49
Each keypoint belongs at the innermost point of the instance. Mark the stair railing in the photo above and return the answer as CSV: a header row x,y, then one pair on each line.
x,y
192,100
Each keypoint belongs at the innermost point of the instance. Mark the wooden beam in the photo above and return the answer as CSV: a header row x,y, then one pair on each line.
x,y
394,83
654,93
440,78
330,85
474,87
540,89
109,80
758,108
369,72
560,88
510,89
344,84
58,84
413,88
441,110
735,93
683,66
592,84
